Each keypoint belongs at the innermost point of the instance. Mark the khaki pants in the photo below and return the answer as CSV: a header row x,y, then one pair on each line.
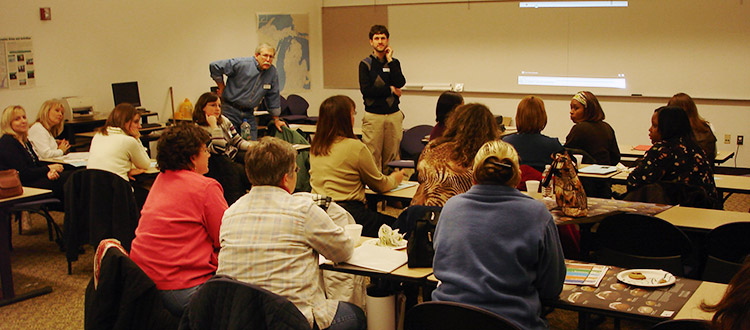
x,y
382,135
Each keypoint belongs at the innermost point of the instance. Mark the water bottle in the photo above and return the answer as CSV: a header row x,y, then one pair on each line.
x,y
245,130
547,189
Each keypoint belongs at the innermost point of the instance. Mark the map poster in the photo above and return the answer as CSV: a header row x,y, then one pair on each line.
x,y
289,33
19,63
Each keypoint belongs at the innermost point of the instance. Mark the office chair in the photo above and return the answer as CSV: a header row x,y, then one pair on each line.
x,y
98,205
446,315
40,207
726,248
633,240
682,325
674,193
297,107
225,303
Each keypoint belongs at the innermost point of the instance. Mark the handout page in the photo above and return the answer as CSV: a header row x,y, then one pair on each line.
x,y
375,257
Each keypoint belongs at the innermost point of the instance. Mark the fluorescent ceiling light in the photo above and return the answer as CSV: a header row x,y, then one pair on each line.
x,y
571,4
572,81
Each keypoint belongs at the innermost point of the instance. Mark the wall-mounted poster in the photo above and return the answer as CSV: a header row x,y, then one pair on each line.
x,y
289,33
18,67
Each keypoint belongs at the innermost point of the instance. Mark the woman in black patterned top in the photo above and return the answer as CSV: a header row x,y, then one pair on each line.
x,y
674,156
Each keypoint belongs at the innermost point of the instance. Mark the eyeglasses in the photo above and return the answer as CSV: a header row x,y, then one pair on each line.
x,y
296,169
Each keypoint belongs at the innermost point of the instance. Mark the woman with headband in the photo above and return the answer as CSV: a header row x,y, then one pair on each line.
x,y
590,132
497,248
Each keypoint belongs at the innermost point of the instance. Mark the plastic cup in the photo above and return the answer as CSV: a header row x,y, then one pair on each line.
x,y
532,188
579,160
355,232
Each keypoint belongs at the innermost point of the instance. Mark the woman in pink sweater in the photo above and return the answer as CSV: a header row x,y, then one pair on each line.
x,y
177,239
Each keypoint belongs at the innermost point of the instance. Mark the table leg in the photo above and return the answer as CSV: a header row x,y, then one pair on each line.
x,y
6,274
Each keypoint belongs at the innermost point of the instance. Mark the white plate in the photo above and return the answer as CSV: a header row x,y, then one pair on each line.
x,y
654,277
375,241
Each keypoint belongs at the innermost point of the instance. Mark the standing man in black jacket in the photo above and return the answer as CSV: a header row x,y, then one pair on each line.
x,y
380,81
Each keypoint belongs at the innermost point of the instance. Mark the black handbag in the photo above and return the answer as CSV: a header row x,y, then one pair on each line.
x,y
419,246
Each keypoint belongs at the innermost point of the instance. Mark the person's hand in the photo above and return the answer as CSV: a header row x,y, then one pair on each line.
x,y
55,167
135,171
389,54
64,145
396,91
398,175
212,120
53,175
279,123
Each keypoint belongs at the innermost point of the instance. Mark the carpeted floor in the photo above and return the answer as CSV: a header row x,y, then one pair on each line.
x,y
37,262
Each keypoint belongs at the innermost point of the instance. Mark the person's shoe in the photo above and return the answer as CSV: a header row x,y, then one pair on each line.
x,y
25,222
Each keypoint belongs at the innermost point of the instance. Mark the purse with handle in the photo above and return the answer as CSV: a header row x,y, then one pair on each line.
x,y
419,247
10,184
569,193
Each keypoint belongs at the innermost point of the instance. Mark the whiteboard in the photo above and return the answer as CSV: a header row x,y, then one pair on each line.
x,y
701,47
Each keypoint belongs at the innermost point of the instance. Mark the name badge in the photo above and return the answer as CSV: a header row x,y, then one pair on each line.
x,y
386,69
266,86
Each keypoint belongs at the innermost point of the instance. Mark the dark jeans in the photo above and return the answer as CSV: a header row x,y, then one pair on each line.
x,y
369,219
348,317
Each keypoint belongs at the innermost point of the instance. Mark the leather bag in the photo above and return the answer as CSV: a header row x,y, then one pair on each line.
x,y
419,247
10,184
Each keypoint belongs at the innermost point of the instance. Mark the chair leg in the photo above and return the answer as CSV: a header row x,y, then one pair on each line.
x,y
70,268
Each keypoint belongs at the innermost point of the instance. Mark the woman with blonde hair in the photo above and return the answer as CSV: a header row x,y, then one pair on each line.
x,y
16,152
445,164
117,147
704,136
49,124
534,148
497,248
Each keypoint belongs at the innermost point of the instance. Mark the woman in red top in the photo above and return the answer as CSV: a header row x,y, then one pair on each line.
x,y
177,239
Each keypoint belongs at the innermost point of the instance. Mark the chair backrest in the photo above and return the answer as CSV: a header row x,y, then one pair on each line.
x,y
284,106
587,158
98,205
726,248
297,105
411,143
225,303
682,325
640,241
674,193
445,315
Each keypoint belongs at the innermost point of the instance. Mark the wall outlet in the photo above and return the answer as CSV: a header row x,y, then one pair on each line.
x,y
740,140
727,138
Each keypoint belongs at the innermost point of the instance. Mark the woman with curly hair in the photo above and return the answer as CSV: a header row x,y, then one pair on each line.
x,y
445,164
177,239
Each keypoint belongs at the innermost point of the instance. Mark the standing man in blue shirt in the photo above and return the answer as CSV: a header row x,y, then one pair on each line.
x,y
250,80
380,81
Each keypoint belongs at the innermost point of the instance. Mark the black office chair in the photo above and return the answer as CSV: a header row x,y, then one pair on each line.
x,y
225,303
297,111
411,147
587,158
682,325
726,248
40,207
445,315
633,240
98,205
674,193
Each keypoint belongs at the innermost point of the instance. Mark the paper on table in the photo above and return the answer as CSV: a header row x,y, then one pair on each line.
x,y
77,156
376,257
402,185
598,169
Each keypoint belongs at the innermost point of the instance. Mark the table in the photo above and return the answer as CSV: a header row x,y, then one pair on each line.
x,y
402,195
613,298
146,135
402,273
629,151
310,129
81,162
6,272
701,219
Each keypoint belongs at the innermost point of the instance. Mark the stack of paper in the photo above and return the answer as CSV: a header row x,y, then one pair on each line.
x,y
584,274
375,257
598,169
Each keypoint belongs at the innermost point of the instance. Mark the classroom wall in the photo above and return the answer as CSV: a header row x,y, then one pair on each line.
x,y
90,44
